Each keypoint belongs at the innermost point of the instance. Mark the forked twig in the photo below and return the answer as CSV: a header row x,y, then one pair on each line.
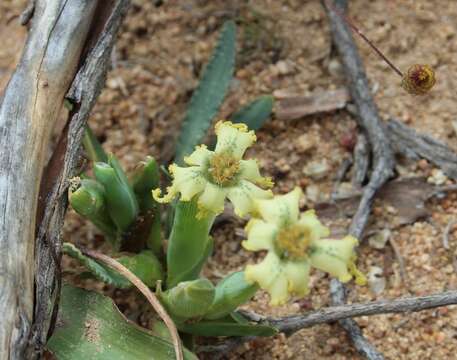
x,y
150,296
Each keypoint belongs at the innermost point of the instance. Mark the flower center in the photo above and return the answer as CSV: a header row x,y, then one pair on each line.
x,y
223,167
292,242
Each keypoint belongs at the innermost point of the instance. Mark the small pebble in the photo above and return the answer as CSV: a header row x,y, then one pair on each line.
x,y
379,239
316,169
376,280
437,177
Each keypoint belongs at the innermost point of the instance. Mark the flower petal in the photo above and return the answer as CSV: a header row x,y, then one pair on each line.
x,y
268,274
333,256
297,274
212,198
278,291
199,157
249,170
186,180
233,138
243,195
309,220
260,235
281,210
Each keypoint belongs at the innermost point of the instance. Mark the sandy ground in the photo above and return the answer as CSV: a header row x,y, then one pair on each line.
x,y
159,55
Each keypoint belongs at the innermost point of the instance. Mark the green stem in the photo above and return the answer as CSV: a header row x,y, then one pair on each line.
x,y
189,244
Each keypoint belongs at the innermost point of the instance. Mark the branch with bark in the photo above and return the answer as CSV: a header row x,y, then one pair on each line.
x,y
291,324
67,48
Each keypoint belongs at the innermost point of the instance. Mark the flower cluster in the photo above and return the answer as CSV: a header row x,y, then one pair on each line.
x,y
295,241
216,175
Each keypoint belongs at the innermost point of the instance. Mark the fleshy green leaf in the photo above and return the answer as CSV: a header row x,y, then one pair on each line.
x,y
231,292
90,326
226,327
189,244
144,265
256,113
209,94
145,179
87,198
92,147
120,198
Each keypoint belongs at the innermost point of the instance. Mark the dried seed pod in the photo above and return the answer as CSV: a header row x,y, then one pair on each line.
x,y
419,79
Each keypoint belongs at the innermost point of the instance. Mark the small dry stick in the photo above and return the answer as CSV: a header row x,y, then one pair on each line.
x,y
401,262
446,232
145,291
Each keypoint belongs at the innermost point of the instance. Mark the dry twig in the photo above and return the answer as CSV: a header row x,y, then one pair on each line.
x,y
291,324
150,296
370,122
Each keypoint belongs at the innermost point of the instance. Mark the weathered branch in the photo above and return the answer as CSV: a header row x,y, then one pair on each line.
x,y
414,145
291,324
83,93
364,348
382,156
28,112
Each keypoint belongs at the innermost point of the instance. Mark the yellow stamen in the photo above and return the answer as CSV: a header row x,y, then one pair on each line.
x,y
223,168
293,242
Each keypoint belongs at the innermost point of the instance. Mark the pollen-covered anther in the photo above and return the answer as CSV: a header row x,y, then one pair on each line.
x,y
419,79
223,168
292,242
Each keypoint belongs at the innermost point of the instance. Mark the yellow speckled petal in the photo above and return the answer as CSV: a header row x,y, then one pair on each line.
x,y
333,256
188,181
249,170
269,276
199,157
278,290
265,272
233,138
297,274
281,210
243,195
309,220
260,235
212,198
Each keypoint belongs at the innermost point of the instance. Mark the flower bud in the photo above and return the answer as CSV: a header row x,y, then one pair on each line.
x,y
189,299
121,201
231,292
87,198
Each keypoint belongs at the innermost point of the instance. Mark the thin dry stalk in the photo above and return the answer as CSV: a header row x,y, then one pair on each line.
x,y
150,296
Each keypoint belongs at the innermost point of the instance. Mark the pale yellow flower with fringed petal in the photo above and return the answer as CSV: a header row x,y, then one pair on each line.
x,y
216,175
295,242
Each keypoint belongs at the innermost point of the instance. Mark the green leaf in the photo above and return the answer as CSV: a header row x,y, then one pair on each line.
x,y
256,113
226,327
87,198
90,326
120,198
209,94
231,292
146,179
144,265
188,299
93,148
189,244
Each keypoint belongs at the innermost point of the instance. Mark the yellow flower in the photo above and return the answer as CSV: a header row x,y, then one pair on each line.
x,y
419,79
295,243
219,174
